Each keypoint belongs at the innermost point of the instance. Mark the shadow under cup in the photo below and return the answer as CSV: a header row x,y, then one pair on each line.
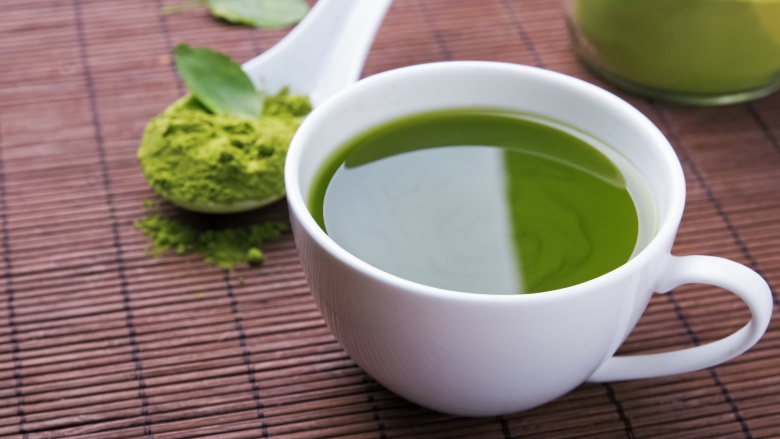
x,y
475,354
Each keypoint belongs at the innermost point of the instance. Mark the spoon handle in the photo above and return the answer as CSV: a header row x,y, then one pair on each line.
x,y
324,53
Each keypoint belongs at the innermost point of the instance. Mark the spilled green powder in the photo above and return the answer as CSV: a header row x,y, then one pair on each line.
x,y
191,155
254,257
225,248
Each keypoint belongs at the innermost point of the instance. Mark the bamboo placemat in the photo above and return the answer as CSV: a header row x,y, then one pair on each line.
x,y
99,340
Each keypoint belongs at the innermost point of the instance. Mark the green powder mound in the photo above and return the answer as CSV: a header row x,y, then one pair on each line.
x,y
191,155
225,248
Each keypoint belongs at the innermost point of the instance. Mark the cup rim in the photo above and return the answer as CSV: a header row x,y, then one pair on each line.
x,y
665,233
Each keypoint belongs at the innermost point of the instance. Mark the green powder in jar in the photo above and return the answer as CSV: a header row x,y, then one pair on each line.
x,y
704,47
189,154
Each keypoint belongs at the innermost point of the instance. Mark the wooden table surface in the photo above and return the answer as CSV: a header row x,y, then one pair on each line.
x,y
100,340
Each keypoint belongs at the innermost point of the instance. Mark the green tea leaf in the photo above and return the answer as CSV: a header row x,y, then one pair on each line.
x,y
217,81
260,13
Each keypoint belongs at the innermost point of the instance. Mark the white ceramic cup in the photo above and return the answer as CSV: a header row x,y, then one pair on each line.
x,y
478,355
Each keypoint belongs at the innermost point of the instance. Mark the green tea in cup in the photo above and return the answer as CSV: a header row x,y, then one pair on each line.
x,y
412,186
483,201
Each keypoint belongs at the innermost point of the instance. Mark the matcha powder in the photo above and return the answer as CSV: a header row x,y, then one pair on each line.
x,y
225,248
191,155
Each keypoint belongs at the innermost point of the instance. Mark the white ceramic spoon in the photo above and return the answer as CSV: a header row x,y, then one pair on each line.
x,y
319,57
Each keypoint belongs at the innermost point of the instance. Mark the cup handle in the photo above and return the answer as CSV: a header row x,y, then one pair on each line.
x,y
723,273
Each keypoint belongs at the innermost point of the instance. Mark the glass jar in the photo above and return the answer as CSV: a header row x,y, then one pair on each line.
x,y
702,52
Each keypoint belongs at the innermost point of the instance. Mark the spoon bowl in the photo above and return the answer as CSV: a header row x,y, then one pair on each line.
x,y
225,208
322,55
